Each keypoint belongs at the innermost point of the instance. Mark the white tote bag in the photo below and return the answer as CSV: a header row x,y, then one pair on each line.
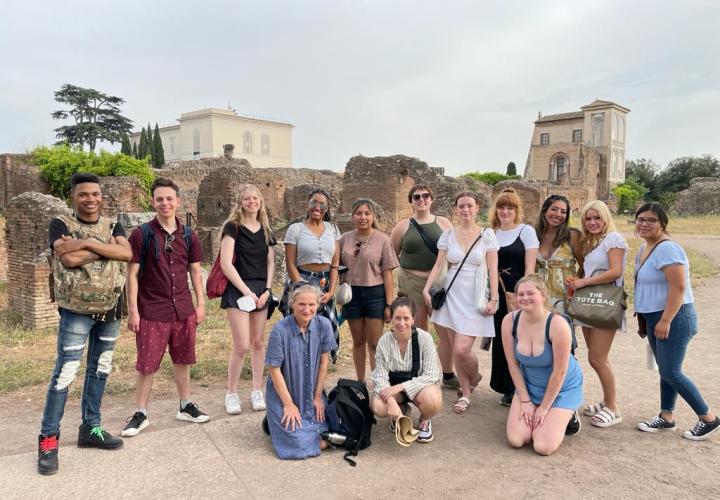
x,y
482,287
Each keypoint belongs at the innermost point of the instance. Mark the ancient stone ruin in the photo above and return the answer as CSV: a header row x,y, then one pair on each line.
x,y
26,233
701,198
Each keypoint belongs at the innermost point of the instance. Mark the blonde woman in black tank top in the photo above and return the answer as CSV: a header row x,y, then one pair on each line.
x,y
416,261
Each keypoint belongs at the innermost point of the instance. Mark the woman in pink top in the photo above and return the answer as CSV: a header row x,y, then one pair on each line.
x,y
370,259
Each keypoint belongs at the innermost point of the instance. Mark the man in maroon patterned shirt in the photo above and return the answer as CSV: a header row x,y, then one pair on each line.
x,y
160,306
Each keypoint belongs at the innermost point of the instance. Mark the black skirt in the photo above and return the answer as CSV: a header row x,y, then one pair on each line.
x,y
230,297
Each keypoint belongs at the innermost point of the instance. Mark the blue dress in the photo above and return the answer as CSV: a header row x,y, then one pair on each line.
x,y
536,371
298,357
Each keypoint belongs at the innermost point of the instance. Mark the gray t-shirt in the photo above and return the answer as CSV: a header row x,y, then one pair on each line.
x,y
312,249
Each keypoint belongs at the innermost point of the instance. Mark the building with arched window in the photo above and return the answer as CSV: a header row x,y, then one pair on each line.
x,y
583,148
202,134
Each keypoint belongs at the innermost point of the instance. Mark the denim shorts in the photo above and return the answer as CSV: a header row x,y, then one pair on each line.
x,y
367,302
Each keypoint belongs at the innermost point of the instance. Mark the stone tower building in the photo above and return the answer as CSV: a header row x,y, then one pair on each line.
x,y
583,148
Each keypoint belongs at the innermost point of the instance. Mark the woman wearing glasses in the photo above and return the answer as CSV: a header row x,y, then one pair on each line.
x,y
664,301
312,253
415,243
370,259
247,259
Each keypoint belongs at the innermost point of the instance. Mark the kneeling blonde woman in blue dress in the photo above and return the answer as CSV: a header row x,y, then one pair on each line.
x,y
548,380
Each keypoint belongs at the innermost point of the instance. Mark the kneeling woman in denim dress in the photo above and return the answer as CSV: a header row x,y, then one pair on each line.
x,y
297,358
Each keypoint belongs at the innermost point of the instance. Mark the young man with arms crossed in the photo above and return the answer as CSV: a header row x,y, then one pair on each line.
x,y
89,255
160,306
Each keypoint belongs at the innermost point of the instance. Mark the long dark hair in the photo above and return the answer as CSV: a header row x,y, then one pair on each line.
x,y
563,231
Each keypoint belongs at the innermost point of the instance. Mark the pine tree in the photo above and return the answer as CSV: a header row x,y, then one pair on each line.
x,y
511,170
125,148
134,150
142,148
158,152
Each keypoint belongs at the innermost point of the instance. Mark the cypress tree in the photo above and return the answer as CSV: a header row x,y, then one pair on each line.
x,y
511,170
125,148
158,152
149,144
134,150
142,148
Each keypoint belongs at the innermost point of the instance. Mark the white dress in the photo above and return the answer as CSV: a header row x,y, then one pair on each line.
x,y
459,311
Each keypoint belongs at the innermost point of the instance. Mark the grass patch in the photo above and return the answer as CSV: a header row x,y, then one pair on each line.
x,y
699,224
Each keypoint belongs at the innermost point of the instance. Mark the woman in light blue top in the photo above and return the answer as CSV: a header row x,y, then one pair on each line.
x,y
664,303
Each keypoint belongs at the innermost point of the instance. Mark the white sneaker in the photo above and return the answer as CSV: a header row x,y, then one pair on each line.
x,y
232,404
258,401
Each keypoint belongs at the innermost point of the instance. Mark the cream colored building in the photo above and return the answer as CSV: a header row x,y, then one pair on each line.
x,y
202,134
581,148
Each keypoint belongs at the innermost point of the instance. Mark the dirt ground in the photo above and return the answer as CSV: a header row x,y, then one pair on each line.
x,y
469,457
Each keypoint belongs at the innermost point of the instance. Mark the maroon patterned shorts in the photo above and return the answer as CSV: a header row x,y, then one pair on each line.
x,y
178,337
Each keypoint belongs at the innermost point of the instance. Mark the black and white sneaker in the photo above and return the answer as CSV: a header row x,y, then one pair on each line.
x,y
573,426
191,413
136,423
656,424
702,430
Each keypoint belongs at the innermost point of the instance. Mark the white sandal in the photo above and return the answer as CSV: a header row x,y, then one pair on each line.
x,y
606,418
594,409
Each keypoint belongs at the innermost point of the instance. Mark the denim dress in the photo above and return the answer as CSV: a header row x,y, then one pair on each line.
x,y
298,357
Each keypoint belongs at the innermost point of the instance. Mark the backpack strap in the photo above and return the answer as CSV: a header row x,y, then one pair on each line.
x,y
415,354
547,327
340,409
148,239
516,320
187,235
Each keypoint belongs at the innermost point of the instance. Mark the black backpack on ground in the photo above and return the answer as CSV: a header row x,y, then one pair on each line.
x,y
348,413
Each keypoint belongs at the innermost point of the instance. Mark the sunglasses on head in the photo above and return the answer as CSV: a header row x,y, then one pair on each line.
x,y
168,243
421,196
358,246
317,204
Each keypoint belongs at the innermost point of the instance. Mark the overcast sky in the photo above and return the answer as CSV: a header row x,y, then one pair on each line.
x,y
455,83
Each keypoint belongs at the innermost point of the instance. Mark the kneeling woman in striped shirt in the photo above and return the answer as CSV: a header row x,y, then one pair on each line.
x,y
406,370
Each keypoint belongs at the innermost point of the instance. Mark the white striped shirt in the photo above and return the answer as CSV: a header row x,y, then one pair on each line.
x,y
388,358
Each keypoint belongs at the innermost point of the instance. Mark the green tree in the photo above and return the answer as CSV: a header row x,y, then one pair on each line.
x,y
511,169
628,193
96,114
142,147
490,178
57,164
126,149
158,152
645,171
680,171
134,150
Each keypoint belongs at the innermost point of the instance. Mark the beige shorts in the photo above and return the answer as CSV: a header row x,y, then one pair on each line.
x,y
411,286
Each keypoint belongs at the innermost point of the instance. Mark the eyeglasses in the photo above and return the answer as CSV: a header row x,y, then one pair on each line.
x,y
423,196
317,204
168,243
649,221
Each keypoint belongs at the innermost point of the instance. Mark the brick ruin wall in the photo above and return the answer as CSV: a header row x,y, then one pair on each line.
x,y
122,194
18,175
26,231
3,252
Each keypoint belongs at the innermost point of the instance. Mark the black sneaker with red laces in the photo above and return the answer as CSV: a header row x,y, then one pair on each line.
x,y
48,454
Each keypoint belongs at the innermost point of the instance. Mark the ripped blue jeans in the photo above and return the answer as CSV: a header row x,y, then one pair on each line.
x,y
74,331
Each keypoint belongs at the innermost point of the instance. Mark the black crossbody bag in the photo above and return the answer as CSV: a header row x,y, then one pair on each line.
x,y
401,377
438,297
429,244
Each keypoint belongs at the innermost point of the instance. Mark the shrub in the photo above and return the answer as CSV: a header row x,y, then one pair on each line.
x,y
490,178
57,164
628,193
